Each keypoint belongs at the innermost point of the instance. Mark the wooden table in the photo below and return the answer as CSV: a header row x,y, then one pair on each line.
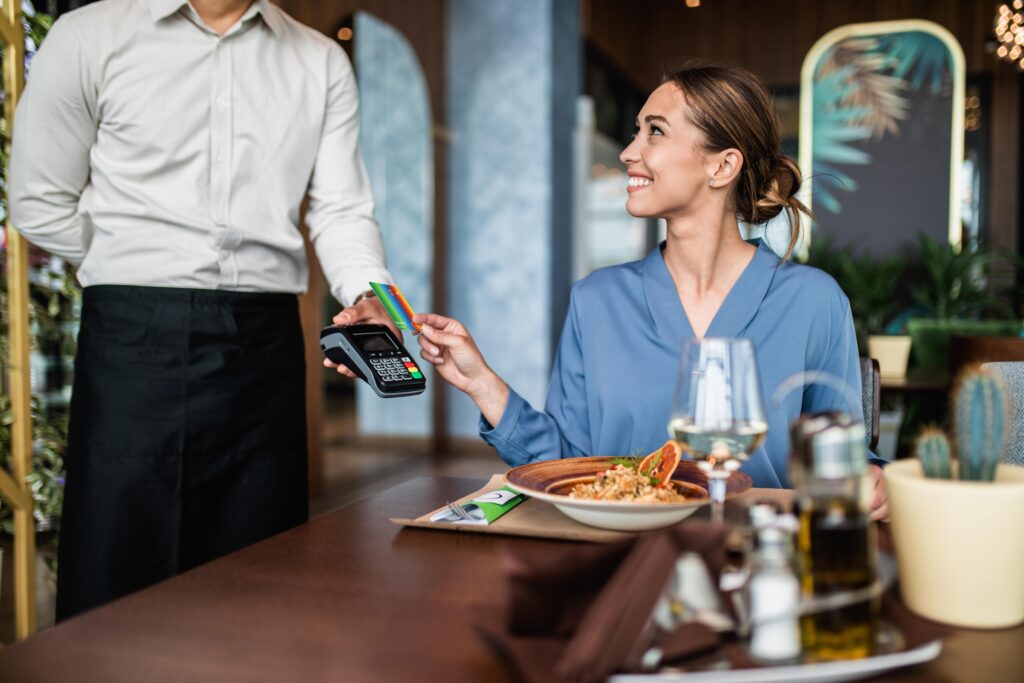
x,y
350,597
920,381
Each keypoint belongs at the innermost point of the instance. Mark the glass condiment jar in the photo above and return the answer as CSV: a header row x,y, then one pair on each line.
x,y
836,545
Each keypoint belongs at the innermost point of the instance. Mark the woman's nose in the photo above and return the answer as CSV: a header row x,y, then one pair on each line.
x,y
629,153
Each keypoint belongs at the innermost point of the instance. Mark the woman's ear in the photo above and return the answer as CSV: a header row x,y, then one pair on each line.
x,y
727,166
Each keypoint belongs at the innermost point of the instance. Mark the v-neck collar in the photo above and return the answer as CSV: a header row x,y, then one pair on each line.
x,y
737,310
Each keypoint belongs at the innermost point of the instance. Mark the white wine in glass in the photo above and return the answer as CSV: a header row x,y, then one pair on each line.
x,y
710,446
717,414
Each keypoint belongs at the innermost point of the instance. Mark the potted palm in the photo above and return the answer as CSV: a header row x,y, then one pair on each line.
x,y
873,288
951,292
958,524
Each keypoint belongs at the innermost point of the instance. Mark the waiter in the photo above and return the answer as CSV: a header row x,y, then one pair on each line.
x,y
164,147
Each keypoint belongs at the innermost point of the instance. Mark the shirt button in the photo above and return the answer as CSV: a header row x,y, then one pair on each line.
x,y
222,103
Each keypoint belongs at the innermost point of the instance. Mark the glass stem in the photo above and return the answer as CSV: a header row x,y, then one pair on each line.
x,y
716,489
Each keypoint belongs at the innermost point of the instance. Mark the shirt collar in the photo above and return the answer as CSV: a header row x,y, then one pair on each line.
x,y
161,9
736,312
270,16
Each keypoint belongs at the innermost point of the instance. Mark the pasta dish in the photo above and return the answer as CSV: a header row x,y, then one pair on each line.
x,y
625,483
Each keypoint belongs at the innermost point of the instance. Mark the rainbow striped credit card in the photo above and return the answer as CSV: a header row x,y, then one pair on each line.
x,y
396,305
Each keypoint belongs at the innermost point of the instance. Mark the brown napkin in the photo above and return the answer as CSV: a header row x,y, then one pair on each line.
x,y
578,614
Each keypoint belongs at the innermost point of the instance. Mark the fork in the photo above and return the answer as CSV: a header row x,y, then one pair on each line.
x,y
460,512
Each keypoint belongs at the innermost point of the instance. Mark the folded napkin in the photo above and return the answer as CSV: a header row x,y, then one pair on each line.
x,y
581,613
484,509
578,614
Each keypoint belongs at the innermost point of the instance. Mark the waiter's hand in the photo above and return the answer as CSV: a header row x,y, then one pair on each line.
x,y
879,501
368,310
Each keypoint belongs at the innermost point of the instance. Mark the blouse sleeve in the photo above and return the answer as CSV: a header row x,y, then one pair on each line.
x,y
842,360
525,434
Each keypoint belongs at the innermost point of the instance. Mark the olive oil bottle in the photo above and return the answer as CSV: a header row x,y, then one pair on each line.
x,y
836,543
837,553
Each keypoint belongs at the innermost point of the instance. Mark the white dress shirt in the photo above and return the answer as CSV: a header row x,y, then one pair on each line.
x,y
152,151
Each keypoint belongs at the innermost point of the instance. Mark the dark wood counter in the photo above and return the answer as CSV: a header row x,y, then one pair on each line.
x,y
349,597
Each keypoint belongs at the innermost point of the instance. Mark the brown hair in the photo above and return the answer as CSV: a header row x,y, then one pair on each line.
x,y
733,109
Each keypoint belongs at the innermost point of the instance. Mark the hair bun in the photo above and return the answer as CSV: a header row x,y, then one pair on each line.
x,y
786,178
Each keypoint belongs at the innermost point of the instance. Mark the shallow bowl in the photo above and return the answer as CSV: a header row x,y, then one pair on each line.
x,y
551,480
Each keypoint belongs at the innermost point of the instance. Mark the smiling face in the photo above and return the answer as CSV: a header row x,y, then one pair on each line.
x,y
667,166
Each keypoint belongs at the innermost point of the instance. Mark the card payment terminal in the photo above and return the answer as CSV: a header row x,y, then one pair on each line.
x,y
376,356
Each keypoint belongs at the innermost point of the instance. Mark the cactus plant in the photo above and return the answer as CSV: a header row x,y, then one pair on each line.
x,y
932,449
979,412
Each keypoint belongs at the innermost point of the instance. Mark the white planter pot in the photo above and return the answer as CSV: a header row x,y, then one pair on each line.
x,y
892,354
960,545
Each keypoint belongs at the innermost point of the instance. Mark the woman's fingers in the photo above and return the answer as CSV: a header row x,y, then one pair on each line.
x,y
429,348
434,320
879,500
881,514
432,358
441,337
425,341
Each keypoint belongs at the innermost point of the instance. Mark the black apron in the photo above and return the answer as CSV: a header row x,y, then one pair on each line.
x,y
187,435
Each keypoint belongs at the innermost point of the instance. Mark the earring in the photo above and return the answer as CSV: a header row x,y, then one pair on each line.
x,y
711,182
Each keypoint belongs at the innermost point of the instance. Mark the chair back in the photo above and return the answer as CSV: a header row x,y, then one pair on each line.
x,y
1012,373
870,390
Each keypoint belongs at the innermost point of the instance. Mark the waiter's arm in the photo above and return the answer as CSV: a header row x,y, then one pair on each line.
x,y
344,233
54,131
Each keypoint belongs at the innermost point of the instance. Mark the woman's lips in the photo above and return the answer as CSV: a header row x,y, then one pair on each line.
x,y
638,183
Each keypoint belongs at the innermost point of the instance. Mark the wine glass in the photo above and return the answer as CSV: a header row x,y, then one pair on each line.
x,y
717,414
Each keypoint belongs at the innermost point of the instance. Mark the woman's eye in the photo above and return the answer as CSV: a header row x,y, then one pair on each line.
x,y
656,131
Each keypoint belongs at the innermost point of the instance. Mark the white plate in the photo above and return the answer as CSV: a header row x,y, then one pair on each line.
x,y
620,515
825,672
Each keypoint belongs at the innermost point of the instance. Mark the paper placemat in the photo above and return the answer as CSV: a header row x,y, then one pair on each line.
x,y
532,517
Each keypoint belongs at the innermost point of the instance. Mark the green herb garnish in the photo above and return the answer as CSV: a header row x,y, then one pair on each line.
x,y
631,463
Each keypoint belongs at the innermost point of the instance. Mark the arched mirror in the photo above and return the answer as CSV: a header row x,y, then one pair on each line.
x,y
882,134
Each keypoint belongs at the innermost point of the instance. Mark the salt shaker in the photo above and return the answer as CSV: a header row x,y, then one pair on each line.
x,y
774,592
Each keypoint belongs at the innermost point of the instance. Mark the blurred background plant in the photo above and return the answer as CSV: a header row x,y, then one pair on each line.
x,y
956,284
930,280
872,285
55,301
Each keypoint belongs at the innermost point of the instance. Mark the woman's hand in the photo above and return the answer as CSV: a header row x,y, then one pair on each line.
x,y
448,346
879,501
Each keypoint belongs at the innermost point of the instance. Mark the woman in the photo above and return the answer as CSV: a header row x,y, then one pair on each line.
x,y
705,153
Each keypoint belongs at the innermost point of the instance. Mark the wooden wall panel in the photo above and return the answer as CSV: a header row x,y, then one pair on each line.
x,y
769,37
1003,197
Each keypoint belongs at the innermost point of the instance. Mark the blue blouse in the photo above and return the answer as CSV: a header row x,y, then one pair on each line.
x,y
614,374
